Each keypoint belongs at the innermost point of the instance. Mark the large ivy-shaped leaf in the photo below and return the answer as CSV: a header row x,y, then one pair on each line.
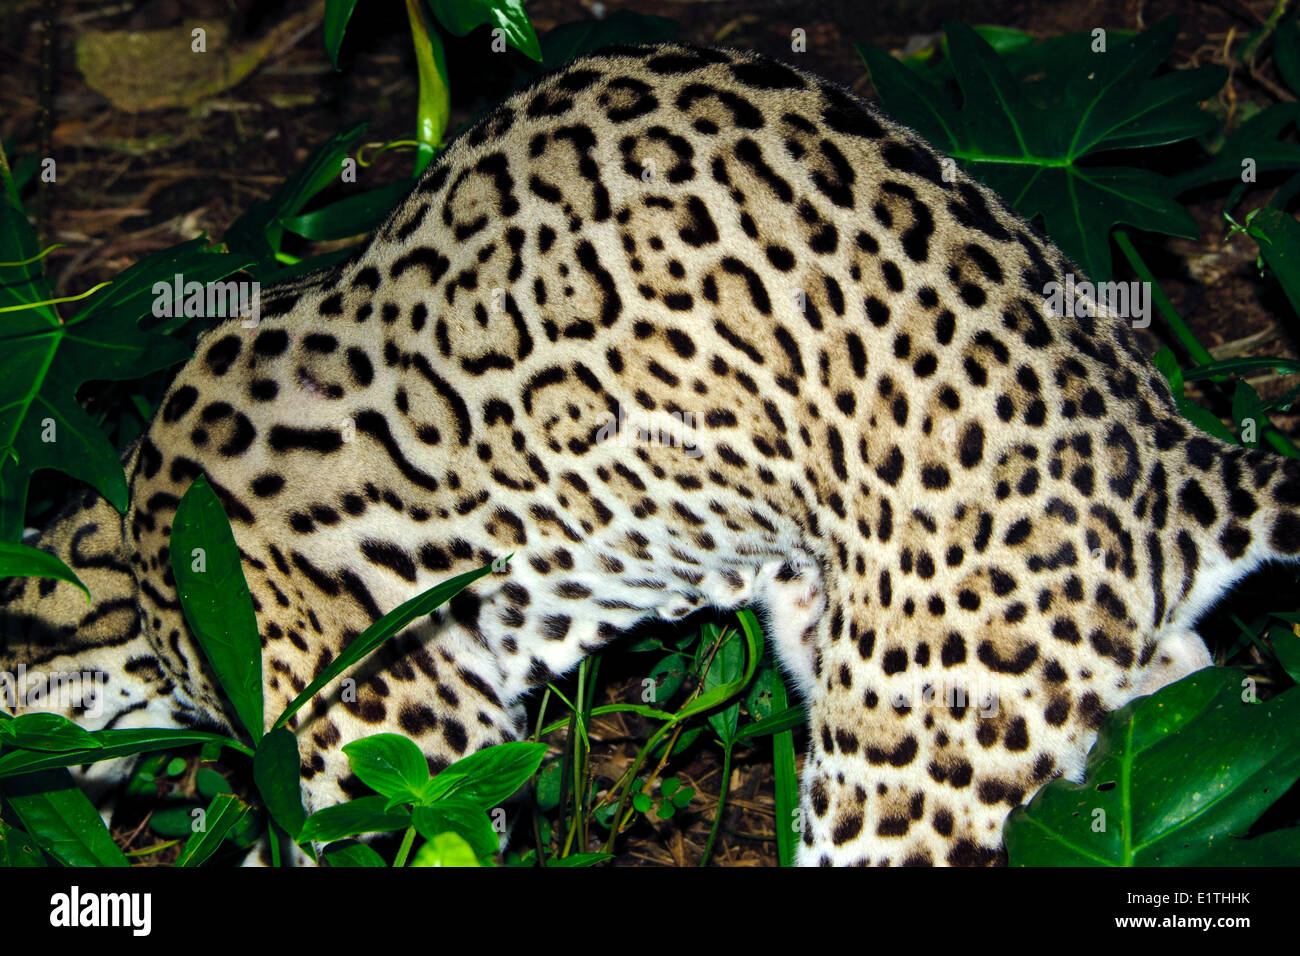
x,y
1028,140
1175,779
45,358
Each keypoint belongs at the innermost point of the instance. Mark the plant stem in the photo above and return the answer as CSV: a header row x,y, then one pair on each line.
x,y
405,849
1198,353
722,803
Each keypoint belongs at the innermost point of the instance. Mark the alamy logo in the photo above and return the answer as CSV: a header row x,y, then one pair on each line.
x,y
671,429
1124,300
210,300
60,690
74,908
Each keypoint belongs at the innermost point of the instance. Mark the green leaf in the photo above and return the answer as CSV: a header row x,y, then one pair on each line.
x,y
462,16
44,360
210,784
1278,236
221,816
568,41
363,815
1165,361
389,764
111,744
353,853
1027,140
277,775
434,104
18,848
728,664
1286,648
758,702
460,816
62,820
548,786
260,230
214,595
494,773
1278,848
668,674
580,859
780,721
384,628
1205,420
1258,140
349,217
21,561
1172,778
46,732
337,15
1248,412
786,796
446,849
642,802
1286,52
175,821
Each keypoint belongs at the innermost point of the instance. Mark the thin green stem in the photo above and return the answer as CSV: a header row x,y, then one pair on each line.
x,y
405,849
722,804
1198,353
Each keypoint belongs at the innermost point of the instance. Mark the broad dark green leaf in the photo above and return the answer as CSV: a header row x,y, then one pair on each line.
x,y
389,764
728,664
384,628
176,820
568,41
18,848
44,360
21,561
46,732
1277,848
668,675
1026,140
461,816
259,231
462,16
1257,140
1286,647
349,217
214,595
1172,778
1278,236
277,775
363,815
112,744
61,819
222,814
492,774
353,853
1286,52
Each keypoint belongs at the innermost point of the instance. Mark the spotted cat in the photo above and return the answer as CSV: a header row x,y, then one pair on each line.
x,y
681,328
